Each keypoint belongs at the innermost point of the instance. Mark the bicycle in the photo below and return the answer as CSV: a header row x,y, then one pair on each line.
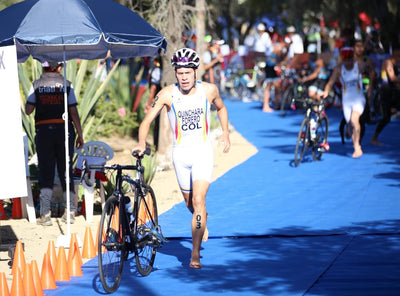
x,y
236,83
312,135
126,227
245,84
291,97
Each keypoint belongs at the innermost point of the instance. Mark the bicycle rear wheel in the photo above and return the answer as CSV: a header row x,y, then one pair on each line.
x,y
302,141
147,232
286,100
111,246
321,137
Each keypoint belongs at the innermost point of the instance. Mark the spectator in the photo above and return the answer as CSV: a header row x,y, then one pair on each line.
x,y
261,45
212,59
47,97
296,47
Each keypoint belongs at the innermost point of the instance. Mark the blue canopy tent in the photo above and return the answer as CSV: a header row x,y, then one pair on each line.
x,y
84,29
59,30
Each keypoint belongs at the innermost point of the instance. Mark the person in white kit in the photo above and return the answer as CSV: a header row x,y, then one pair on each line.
x,y
353,98
188,106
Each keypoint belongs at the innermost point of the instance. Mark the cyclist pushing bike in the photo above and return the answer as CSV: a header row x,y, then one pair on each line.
x,y
128,224
188,105
349,72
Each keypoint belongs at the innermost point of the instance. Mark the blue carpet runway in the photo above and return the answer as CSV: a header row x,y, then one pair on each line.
x,y
324,228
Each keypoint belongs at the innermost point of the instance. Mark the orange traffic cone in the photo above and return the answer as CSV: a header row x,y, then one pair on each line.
x,y
47,276
88,251
4,291
61,270
2,213
19,258
29,286
36,278
17,287
83,208
74,265
74,241
51,251
96,239
16,209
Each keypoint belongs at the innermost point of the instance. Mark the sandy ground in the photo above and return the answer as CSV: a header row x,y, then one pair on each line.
x,y
36,238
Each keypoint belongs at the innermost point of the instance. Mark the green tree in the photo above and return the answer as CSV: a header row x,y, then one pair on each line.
x,y
6,3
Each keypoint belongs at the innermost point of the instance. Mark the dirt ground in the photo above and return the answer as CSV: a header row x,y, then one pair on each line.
x,y
36,238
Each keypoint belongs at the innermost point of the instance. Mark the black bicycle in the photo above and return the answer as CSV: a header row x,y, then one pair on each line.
x,y
129,223
313,133
292,97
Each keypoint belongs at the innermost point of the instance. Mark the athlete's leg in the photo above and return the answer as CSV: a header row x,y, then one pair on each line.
x,y
199,219
267,93
188,200
356,127
386,95
278,86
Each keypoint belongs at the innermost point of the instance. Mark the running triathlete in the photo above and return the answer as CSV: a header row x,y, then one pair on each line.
x,y
349,73
188,106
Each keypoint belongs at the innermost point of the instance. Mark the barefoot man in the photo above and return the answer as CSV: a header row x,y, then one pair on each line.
x,y
188,105
349,73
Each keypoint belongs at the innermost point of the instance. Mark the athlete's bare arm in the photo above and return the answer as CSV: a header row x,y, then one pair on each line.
x,y
214,97
334,77
162,98
388,67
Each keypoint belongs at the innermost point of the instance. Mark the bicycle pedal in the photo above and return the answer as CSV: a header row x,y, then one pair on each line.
x,y
158,236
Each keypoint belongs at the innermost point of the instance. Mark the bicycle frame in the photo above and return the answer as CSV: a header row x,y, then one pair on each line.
x,y
317,142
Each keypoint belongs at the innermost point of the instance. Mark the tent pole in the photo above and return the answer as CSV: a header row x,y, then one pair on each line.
x,y
65,240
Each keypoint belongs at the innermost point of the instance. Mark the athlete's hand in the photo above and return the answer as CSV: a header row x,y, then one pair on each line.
x,y
324,94
139,148
224,140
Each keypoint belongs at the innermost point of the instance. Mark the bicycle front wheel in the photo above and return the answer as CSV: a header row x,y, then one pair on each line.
x,y
111,246
302,141
147,232
321,137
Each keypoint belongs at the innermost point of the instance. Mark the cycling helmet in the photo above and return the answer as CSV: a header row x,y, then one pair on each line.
x,y
346,53
185,57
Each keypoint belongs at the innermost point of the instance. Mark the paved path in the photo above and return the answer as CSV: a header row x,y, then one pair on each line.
x,y
324,228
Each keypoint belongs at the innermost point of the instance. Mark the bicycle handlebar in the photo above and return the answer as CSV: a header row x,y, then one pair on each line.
x,y
309,102
147,151
138,167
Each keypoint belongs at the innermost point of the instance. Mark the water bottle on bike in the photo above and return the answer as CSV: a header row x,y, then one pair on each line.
x,y
313,125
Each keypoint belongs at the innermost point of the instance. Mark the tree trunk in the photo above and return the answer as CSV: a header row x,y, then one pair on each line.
x,y
174,42
200,30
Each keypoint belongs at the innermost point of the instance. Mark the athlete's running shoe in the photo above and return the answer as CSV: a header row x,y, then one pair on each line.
x,y
325,146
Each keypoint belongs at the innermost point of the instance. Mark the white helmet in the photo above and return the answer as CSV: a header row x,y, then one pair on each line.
x,y
185,57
